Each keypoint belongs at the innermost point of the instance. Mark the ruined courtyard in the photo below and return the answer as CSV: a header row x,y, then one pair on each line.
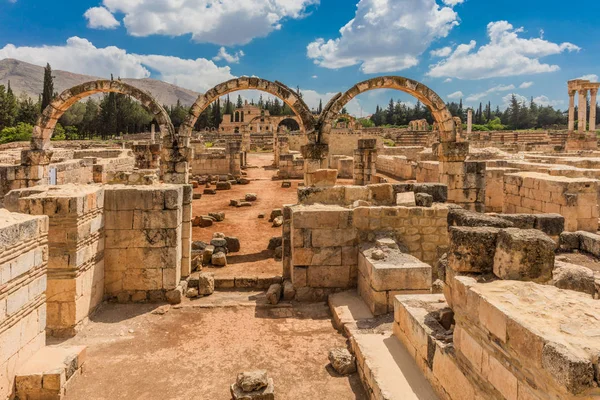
x,y
455,264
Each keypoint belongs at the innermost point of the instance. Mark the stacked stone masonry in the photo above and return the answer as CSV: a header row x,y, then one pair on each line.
x,y
23,264
76,249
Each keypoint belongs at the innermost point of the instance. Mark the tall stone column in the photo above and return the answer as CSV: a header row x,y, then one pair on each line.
x,y
233,150
572,110
594,93
152,134
469,121
365,158
582,124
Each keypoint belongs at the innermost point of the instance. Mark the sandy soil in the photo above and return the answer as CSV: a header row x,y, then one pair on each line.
x,y
254,233
195,352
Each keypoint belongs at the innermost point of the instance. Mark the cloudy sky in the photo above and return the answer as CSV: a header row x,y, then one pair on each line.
x,y
475,50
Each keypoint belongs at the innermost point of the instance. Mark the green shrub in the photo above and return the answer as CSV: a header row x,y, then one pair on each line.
x,y
20,133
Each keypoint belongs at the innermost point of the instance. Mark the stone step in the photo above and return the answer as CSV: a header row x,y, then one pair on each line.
x,y
387,370
49,372
244,282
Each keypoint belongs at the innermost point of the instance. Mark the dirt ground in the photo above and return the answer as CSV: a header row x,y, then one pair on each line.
x,y
254,233
195,351
586,260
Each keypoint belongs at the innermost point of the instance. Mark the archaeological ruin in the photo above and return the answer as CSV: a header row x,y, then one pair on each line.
x,y
301,256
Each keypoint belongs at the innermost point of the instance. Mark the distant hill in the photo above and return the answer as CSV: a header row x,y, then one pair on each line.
x,y
29,79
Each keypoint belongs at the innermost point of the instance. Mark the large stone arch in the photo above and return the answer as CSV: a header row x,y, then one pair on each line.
x,y
175,152
44,128
440,113
278,89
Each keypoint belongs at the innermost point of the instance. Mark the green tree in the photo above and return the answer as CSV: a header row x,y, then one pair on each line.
x,y
240,103
28,110
48,93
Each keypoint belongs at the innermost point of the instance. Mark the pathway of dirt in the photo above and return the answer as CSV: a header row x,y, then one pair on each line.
x,y
196,353
254,233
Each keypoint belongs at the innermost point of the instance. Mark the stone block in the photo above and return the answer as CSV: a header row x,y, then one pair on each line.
x,y
472,249
406,199
524,254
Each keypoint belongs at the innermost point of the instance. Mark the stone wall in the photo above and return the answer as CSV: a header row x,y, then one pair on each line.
x,y
325,239
576,199
23,264
397,166
342,143
143,251
291,167
428,171
75,247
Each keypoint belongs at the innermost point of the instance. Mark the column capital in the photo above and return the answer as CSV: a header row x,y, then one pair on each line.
x,y
583,92
594,91
572,92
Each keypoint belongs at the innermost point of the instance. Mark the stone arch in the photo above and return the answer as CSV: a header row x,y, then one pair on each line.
x,y
278,89
175,151
290,121
44,128
440,113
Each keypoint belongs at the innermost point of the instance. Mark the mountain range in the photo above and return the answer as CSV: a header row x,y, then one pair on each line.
x,y
28,79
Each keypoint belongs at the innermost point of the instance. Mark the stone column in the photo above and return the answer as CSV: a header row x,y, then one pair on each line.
x,y
594,93
186,231
582,124
365,158
469,121
34,169
152,134
233,150
315,158
572,110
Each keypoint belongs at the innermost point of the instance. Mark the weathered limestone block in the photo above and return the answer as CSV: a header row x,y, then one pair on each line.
x,y
423,200
206,284
472,249
573,277
274,293
524,254
342,361
254,385
407,199
324,178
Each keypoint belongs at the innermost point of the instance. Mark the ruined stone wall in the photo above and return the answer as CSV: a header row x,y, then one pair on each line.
x,y
428,171
576,199
345,143
397,166
494,188
74,171
143,251
344,166
410,152
215,164
291,167
297,141
75,247
325,239
23,264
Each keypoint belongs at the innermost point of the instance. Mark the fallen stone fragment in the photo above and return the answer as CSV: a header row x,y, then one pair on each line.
x,y
218,216
261,216
162,310
206,284
288,291
174,296
279,253
218,242
199,245
274,293
265,393
219,259
278,212
210,191
573,277
342,361
191,293
286,184
223,186
277,222
244,204
423,200
251,197
197,196
243,181
207,255
252,380
233,203
233,244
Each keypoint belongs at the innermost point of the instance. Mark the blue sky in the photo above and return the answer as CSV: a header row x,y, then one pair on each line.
x,y
482,50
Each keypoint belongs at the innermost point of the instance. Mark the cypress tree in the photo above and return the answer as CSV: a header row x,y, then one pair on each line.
x,y
48,92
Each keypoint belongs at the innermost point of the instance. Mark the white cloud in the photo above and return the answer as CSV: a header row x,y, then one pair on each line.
x,y
455,95
506,54
442,52
525,85
545,101
81,56
499,88
100,18
230,58
385,35
314,76
590,77
224,22
452,3
447,80
521,99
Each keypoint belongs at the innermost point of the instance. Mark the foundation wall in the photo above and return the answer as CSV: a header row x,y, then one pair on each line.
x,y
143,253
428,171
23,264
216,164
576,199
344,144
291,167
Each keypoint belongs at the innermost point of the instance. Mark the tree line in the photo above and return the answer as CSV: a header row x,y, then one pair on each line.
x,y
517,116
